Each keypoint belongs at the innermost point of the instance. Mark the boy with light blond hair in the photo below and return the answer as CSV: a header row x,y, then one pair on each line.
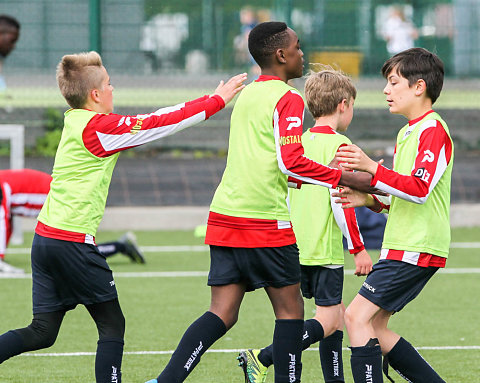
x,y
67,267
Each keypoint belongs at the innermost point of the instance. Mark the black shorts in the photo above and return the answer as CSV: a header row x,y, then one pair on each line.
x,y
256,267
323,284
392,284
66,273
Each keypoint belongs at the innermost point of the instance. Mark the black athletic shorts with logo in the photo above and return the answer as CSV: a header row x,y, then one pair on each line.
x,y
66,273
256,267
392,284
323,284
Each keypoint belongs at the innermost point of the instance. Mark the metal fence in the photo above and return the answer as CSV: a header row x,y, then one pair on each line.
x,y
208,35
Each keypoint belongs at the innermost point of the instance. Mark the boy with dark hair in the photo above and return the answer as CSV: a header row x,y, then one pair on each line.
x,y
318,224
417,235
252,244
67,268
9,34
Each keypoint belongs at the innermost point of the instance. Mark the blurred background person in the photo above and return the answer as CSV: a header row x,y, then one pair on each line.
x,y
399,32
243,58
22,193
9,34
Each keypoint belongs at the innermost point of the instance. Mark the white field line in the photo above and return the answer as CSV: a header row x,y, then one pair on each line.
x,y
204,248
226,351
189,274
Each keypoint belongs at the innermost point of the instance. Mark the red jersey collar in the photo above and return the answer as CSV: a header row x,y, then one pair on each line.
x,y
413,122
325,129
264,77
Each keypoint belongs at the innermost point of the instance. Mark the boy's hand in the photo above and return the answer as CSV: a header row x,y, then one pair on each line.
x,y
358,181
363,263
229,89
353,198
352,157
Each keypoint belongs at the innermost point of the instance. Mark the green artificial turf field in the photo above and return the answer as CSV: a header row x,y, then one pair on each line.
x,y
161,298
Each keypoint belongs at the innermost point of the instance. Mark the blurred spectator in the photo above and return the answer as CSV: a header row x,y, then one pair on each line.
x,y
243,58
162,37
9,34
398,32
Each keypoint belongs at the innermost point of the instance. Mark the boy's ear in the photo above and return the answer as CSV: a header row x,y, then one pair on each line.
x,y
420,87
280,56
342,105
95,95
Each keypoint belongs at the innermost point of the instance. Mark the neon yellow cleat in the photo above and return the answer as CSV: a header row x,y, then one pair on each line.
x,y
253,369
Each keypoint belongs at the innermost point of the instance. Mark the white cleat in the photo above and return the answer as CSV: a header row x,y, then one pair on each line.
x,y
9,269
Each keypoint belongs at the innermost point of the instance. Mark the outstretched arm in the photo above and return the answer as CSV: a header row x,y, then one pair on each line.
x,y
107,134
229,89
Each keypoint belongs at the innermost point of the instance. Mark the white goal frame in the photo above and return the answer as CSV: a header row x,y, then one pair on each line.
x,y
15,134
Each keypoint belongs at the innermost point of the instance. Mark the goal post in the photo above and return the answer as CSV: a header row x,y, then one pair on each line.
x,y
15,134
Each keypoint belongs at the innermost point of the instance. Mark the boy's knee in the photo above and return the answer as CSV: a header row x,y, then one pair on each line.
x,y
330,320
350,318
39,334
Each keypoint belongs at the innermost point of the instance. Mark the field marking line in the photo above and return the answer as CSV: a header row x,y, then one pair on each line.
x,y
226,351
204,248
177,274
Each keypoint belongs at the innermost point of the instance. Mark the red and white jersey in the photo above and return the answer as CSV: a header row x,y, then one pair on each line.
x,y
288,128
24,192
414,258
433,155
347,222
107,134
287,125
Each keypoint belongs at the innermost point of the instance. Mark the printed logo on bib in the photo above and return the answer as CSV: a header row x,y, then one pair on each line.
x,y
422,174
296,139
429,156
295,122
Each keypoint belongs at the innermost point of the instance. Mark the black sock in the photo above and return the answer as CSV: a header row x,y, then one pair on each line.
x,y
201,334
331,357
108,362
11,344
366,362
409,364
287,350
312,333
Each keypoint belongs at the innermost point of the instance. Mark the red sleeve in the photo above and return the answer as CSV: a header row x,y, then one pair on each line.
x,y
347,222
294,183
433,156
107,134
288,129
353,231
379,206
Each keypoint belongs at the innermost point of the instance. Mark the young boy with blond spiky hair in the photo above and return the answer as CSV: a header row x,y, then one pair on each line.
x,y
318,224
67,267
417,235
